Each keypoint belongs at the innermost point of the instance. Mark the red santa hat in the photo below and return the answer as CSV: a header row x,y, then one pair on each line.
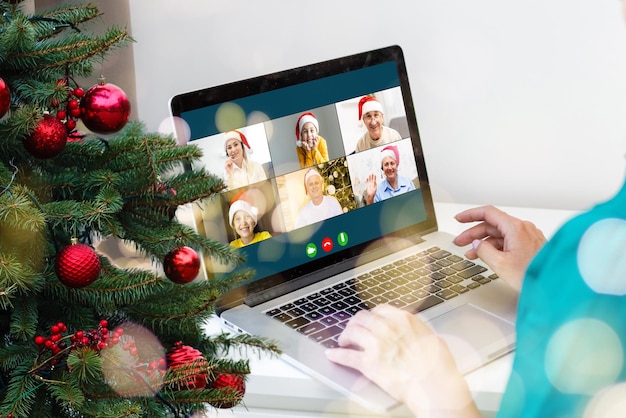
x,y
239,137
368,104
305,118
390,151
312,172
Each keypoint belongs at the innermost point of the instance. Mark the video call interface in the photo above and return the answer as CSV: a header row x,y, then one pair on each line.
x,y
305,177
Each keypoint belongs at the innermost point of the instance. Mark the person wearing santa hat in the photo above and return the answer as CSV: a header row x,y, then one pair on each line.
x,y
242,217
310,146
371,114
393,184
239,169
320,206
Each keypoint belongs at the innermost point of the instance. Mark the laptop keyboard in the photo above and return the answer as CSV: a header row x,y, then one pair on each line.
x,y
416,283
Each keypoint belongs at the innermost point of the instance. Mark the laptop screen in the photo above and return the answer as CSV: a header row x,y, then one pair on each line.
x,y
321,163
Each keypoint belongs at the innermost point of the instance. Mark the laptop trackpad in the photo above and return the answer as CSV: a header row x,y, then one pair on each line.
x,y
474,336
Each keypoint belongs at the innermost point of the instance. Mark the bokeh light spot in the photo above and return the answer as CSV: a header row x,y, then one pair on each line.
x,y
601,260
178,127
608,403
256,117
229,116
583,356
135,367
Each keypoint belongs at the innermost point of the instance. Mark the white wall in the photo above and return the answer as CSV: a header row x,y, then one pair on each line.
x,y
520,103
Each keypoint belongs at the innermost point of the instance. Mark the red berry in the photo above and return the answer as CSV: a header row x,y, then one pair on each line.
x,y
48,344
133,351
73,104
54,329
62,326
79,335
55,102
39,340
55,337
79,92
61,115
104,323
70,124
75,112
62,82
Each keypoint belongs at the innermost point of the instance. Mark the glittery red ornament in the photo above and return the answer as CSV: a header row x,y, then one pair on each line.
x,y
228,380
105,108
48,139
5,98
181,265
77,265
194,363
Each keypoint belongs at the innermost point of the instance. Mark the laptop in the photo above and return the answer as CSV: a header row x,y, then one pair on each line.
x,y
312,275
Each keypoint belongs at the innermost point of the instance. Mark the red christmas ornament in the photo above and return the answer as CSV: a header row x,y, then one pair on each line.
x,y
104,108
77,265
48,139
181,265
5,98
229,380
184,356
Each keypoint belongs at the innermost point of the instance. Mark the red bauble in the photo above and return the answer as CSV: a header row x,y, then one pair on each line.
x,y
77,265
181,265
5,98
105,108
48,139
184,356
229,380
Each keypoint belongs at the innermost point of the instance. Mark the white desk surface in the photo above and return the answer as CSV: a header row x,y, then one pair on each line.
x,y
275,389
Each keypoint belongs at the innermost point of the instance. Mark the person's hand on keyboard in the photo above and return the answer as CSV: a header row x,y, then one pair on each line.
x,y
401,354
505,243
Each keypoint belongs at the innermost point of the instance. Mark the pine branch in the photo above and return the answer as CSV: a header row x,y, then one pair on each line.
x,y
127,186
24,319
21,393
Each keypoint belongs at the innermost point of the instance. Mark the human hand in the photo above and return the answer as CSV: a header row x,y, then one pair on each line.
x,y
370,188
312,143
505,243
228,165
401,354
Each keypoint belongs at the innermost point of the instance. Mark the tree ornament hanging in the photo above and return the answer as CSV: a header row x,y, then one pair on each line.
x,y
48,139
194,363
104,108
181,265
229,380
5,97
77,265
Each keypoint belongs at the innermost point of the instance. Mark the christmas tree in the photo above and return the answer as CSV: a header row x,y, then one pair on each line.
x,y
80,335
